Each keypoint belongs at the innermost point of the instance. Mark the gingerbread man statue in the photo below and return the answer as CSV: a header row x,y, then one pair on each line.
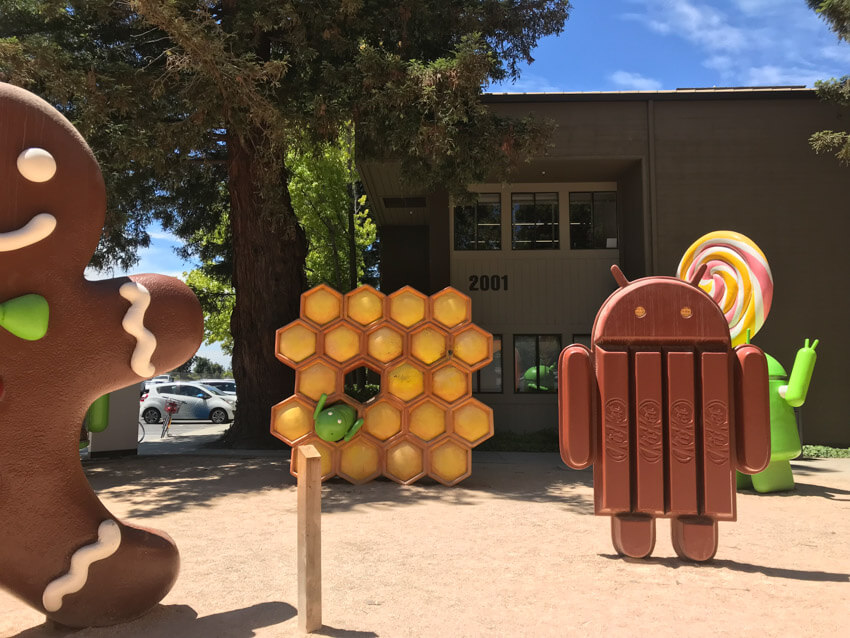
x,y
64,341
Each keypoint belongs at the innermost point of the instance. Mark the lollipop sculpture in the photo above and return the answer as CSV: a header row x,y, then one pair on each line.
x,y
738,278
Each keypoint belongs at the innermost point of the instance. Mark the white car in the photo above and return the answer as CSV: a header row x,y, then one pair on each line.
x,y
228,386
197,402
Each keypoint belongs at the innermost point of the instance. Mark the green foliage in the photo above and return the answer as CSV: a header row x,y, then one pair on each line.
x,y
836,13
205,368
825,452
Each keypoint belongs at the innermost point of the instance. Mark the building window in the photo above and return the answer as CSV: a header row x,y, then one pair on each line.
x,y
488,380
479,226
534,221
536,362
593,220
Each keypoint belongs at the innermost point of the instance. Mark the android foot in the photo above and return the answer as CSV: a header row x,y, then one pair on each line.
x,y
694,537
776,477
633,535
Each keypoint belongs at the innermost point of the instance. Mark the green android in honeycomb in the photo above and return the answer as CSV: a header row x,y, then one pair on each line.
x,y
785,395
335,422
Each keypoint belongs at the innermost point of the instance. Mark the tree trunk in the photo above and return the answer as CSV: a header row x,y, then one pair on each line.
x,y
269,252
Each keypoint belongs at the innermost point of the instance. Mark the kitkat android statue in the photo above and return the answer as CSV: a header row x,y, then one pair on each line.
x,y
666,411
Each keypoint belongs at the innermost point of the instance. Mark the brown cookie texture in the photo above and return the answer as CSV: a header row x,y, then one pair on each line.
x,y
63,552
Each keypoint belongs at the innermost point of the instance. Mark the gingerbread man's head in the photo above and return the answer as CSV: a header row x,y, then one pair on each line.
x,y
53,208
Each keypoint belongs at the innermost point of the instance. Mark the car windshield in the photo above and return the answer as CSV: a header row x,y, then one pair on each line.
x,y
209,388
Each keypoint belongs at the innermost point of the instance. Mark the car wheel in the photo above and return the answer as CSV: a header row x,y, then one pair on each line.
x,y
151,415
218,416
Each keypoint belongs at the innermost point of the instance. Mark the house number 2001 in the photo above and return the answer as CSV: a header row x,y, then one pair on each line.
x,y
488,282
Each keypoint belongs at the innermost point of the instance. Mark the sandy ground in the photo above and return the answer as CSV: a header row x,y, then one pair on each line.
x,y
513,551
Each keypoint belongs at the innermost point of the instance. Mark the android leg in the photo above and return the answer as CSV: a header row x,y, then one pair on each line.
x,y
743,481
694,537
776,477
633,535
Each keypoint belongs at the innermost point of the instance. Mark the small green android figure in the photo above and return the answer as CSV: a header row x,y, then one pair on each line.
x,y
335,422
785,395
540,378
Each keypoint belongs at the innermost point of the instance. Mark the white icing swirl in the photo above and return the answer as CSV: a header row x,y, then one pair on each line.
x,y
134,324
108,541
36,229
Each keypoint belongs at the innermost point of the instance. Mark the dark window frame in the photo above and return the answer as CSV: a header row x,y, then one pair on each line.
x,y
477,244
554,223
518,375
593,219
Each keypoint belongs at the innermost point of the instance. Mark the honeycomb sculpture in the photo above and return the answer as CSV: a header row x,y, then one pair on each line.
x,y
423,421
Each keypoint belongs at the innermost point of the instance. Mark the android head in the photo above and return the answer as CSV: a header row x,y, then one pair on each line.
x,y
335,422
661,310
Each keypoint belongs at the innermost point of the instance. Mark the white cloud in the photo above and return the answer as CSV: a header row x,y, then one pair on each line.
x,y
700,24
528,83
634,81
771,75
162,235
839,53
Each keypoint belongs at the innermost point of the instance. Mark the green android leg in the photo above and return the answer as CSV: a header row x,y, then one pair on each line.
x,y
776,477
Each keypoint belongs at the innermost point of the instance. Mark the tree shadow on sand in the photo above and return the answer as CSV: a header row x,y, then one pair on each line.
x,y
156,485
748,568
182,621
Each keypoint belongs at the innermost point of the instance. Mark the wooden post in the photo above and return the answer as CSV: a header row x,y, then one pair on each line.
x,y
309,538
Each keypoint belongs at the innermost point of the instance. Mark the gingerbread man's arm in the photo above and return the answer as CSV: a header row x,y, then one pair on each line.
x,y
752,410
155,324
576,400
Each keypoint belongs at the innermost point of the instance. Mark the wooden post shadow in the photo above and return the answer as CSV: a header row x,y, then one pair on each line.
x,y
309,538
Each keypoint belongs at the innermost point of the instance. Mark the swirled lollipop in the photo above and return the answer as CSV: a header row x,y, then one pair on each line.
x,y
738,278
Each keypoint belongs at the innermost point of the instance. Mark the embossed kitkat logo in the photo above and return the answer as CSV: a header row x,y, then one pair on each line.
x,y
716,426
682,440
650,432
616,428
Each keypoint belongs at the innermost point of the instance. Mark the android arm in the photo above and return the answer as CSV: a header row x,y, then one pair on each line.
x,y
576,399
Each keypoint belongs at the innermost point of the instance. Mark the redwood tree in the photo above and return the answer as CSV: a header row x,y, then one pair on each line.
x,y
178,97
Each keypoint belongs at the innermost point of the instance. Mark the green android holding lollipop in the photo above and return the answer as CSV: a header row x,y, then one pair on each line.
x,y
335,422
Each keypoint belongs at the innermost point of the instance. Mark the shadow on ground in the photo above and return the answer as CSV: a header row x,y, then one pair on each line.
x,y
182,621
155,485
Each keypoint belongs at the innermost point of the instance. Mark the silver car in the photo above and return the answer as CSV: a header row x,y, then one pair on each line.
x,y
228,386
197,402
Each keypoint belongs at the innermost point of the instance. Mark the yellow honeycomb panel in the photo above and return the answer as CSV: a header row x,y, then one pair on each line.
x,y
472,421
365,305
471,346
449,461
427,421
292,420
384,344
326,463
382,420
405,382
428,345
322,305
450,307
407,307
296,342
404,461
342,343
315,380
449,383
360,461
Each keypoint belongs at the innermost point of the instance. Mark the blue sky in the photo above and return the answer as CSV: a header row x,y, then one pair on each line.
x,y
625,45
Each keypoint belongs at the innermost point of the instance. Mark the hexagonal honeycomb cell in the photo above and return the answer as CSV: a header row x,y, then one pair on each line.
x,y
326,463
295,342
321,305
407,306
472,346
427,420
316,379
429,344
450,383
450,308
362,383
382,420
405,382
359,461
364,305
342,342
291,419
384,344
405,462
473,421
450,462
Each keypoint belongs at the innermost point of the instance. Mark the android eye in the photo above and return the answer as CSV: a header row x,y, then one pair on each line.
x,y
36,165
640,312
686,312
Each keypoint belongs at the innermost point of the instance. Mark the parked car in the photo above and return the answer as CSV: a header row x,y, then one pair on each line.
x,y
228,386
197,402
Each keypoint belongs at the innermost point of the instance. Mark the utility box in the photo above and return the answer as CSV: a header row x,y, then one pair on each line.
x,y
121,437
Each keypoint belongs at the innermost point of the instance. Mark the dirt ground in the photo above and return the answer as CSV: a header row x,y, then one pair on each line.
x,y
513,551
